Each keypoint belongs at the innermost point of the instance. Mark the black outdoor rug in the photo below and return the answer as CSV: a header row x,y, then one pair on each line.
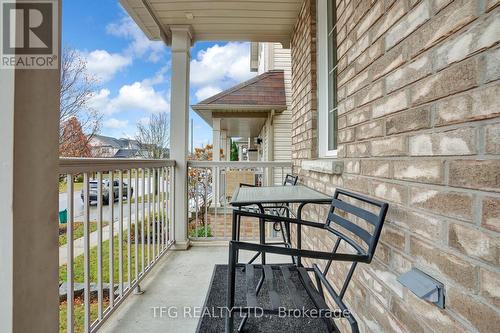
x,y
212,319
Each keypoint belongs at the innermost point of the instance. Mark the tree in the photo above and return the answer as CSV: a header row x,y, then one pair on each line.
x,y
234,151
205,153
154,136
78,87
74,141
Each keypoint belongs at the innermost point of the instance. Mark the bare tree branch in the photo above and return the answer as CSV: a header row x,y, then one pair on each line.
x,y
78,87
154,136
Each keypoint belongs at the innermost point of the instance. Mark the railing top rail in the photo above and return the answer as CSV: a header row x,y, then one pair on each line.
x,y
78,165
238,164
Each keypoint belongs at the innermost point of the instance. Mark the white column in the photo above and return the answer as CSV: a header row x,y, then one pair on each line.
x,y
29,167
228,148
270,147
216,139
216,157
179,128
223,143
240,152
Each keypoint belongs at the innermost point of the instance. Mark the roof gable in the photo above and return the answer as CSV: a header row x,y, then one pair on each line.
x,y
266,89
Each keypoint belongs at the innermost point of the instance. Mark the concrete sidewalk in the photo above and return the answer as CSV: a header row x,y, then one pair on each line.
x,y
78,243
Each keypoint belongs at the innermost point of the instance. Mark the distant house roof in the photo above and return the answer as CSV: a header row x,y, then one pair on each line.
x,y
127,153
265,91
115,143
106,141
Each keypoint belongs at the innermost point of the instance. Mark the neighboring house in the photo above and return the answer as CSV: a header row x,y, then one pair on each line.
x,y
255,113
106,146
128,153
277,131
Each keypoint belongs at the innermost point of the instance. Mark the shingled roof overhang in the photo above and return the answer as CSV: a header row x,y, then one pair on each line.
x,y
254,98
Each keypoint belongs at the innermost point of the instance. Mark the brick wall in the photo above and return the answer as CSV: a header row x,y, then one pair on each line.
x,y
303,103
419,119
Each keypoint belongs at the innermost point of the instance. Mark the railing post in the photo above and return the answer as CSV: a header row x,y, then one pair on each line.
x,y
216,158
179,128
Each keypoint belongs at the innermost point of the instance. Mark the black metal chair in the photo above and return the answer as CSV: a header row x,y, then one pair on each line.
x,y
289,180
348,221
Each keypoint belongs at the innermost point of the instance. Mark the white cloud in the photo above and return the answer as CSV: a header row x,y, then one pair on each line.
x,y
138,96
105,65
140,45
115,123
207,92
100,100
135,96
229,62
158,78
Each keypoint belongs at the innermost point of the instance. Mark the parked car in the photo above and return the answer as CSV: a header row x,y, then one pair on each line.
x,y
105,191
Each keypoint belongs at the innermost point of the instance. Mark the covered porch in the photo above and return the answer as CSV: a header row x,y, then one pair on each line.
x,y
414,122
245,112
163,204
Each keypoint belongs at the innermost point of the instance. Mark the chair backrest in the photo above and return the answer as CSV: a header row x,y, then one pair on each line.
x,y
351,221
290,180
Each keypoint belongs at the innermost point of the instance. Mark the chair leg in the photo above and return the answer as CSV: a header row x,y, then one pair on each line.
x,y
231,277
236,230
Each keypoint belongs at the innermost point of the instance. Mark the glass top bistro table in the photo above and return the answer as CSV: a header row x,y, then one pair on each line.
x,y
265,197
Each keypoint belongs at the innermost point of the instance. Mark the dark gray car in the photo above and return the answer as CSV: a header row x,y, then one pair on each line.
x,y
105,191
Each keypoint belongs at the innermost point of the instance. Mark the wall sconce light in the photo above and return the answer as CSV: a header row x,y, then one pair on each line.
x,y
423,286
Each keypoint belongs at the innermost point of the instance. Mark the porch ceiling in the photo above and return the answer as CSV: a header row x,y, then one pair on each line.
x,y
224,20
243,126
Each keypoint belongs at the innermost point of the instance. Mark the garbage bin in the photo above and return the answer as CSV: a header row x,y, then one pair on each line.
x,y
63,216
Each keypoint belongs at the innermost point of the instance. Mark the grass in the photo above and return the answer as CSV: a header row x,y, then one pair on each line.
x,y
77,231
78,274
79,314
201,232
139,199
79,262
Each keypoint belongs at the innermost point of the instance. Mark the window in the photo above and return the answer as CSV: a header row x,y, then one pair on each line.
x,y
327,77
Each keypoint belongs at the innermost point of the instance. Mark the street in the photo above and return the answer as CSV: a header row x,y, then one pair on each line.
x,y
78,205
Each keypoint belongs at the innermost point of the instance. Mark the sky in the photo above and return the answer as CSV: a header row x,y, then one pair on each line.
x,y
134,73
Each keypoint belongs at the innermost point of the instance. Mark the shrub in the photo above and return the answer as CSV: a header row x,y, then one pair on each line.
x,y
201,232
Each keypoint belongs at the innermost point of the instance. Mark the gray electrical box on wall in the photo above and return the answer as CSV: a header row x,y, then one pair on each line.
x,y
424,286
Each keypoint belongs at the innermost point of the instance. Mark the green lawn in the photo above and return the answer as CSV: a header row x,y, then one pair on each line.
x,y
78,262
79,315
78,271
77,231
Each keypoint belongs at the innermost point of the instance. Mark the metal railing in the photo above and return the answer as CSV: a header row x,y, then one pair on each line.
x,y
210,188
117,227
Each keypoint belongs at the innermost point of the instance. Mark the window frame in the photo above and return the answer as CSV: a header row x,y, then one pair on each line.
x,y
322,79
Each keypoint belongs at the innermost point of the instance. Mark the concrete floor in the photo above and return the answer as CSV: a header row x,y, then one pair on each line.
x,y
178,282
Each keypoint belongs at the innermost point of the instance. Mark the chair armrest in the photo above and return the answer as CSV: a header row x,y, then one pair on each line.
x,y
290,251
276,218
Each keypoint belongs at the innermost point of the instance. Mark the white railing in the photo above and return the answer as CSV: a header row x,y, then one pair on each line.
x,y
210,188
112,245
